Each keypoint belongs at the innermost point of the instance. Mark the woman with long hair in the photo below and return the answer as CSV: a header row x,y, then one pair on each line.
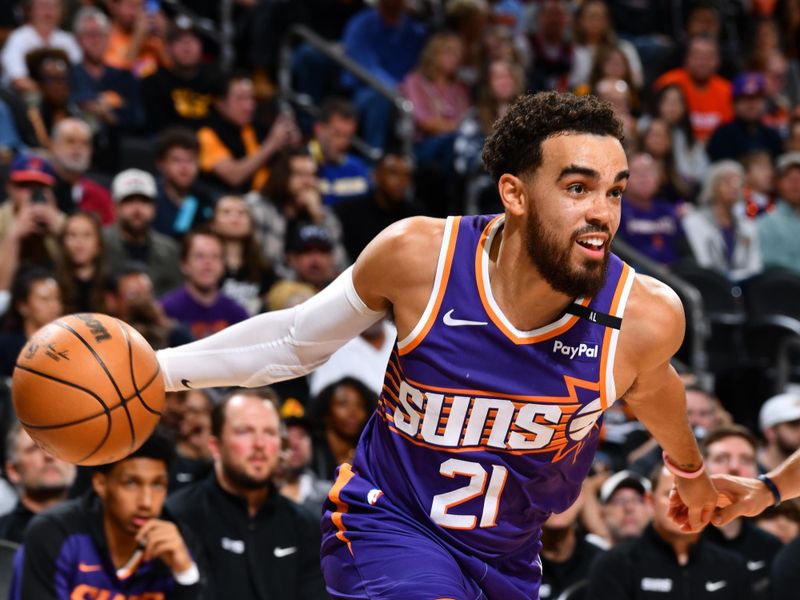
x,y
592,31
35,301
691,161
82,270
248,276
656,140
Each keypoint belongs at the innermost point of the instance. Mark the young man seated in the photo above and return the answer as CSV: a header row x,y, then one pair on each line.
x,y
87,548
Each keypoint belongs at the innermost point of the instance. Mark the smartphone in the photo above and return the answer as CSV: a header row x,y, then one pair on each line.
x,y
37,196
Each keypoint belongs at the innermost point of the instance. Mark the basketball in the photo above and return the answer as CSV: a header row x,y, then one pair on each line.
x,y
88,389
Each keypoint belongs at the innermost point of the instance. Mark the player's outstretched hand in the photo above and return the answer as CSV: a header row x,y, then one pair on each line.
x,y
692,503
740,497
164,541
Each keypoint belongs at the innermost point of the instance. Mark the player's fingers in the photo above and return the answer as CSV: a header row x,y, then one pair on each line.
x,y
723,516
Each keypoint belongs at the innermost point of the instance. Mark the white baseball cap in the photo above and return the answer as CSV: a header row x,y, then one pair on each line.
x,y
782,408
133,182
623,479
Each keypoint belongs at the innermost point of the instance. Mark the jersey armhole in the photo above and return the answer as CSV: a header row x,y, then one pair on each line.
x,y
608,389
420,330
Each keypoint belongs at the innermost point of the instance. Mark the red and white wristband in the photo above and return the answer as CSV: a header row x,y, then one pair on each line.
x,y
678,472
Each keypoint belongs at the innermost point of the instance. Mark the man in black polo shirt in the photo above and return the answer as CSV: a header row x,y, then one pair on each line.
x,y
255,543
731,450
665,563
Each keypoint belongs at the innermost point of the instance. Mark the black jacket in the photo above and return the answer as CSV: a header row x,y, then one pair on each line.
x,y
572,574
13,524
272,556
646,569
785,572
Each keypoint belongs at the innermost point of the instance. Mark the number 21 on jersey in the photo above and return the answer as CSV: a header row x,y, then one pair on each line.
x,y
476,487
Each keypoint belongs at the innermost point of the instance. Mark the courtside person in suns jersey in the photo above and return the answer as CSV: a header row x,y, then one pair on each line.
x,y
515,333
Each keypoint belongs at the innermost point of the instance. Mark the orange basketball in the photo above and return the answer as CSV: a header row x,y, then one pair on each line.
x,y
87,387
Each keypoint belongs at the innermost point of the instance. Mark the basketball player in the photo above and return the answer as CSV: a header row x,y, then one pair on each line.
x,y
515,333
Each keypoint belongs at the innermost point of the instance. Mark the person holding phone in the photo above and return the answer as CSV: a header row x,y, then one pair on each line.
x,y
30,219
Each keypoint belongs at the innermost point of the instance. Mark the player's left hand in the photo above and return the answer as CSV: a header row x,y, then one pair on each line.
x,y
692,503
164,541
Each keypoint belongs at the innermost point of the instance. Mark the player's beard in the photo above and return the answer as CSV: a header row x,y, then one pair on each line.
x,y
553,259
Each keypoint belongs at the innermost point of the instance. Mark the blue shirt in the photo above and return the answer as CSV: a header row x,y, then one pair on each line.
x,y
655,232
388,52
130,115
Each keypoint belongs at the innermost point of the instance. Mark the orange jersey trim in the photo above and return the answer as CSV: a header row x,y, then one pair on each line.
x,y
451,249
482,284
345,475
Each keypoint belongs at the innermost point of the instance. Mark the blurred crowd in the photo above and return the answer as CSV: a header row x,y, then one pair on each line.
x,y
158,167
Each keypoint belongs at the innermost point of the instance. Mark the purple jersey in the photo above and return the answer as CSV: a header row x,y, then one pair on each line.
x,y
483,430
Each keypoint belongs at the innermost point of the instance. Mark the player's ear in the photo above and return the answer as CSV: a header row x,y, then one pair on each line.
x,y
512,194
99,483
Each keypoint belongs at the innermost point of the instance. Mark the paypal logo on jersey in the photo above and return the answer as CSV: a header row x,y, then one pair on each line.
x,y
582,350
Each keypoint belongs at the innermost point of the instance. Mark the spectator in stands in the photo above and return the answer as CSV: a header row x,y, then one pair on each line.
x,y
759,183
290,200
626,506
248,276
40,30
11,141
386,41
136,41
77,548
35,301
731,450
130,297
231,153
592,30
667,562
468,20
108,96
779,231
340,412
309,254
199,304
239,515
71,149
181,203
611,63
720,236
746,132
551,51
389,201
656,140
342,175
132,237
782,521
691,160
649,224
42,480
179,94
29,218
779,421
192,433
82,268
439,99
708,96
776,92
566,554
618,93
50,69
299,483
363,358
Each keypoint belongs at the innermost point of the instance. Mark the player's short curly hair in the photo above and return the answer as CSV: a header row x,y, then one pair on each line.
x,y
515,145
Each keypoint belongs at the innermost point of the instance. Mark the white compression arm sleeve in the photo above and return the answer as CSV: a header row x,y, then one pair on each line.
x,y
272,346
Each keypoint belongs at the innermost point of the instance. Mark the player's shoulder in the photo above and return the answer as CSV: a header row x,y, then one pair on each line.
x,y
654,319
401,258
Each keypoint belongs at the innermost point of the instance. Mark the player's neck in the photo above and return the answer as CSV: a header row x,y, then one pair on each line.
x,y
520,291
121,544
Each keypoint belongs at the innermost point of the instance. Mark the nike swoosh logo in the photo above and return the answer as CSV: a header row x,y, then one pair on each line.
x,y
451,322
755,565
84,568
713,586
185,383
281,552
